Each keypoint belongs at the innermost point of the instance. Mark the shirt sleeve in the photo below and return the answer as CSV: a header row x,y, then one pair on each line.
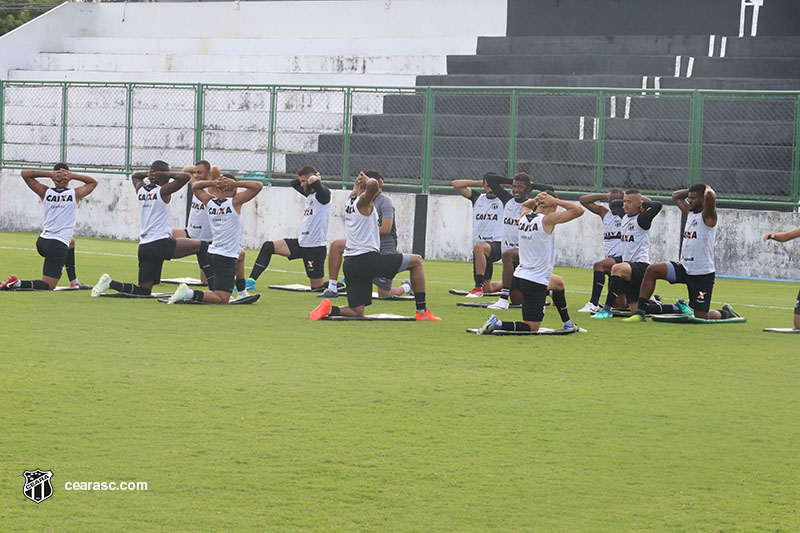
x,y
651,209
474,197
299,188
323,193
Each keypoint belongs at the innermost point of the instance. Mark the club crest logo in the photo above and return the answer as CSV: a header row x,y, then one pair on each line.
x,y
701,296
37,485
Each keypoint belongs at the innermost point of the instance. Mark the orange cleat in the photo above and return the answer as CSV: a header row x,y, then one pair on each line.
x,y
427,315
321,311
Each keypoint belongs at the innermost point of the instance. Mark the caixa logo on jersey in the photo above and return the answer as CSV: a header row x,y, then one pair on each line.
x,y
37,485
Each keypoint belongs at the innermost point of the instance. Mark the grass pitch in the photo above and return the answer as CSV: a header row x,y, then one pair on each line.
x,y
253,418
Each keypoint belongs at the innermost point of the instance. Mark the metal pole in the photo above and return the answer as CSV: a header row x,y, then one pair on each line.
x,y
695,139
599,146
348,113
796,155
64,122
273,98
427,141
128,128
512,134
2,118
199,102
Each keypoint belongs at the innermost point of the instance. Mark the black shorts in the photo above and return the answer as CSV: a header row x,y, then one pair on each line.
x,y
700,287
360,269
313,258
797,305
533,299
151,258
55,256
495,254
637,275
617,258
224,272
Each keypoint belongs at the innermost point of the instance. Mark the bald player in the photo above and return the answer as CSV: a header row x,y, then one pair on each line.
x,y
534,275
784,237
612,241
626,276
55,243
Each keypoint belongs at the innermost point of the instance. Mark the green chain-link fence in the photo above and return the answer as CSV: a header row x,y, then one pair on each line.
x,y
745,144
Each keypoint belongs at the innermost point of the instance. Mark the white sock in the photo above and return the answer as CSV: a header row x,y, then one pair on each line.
x,y
74,282
569,324
333,285
16,284
406,288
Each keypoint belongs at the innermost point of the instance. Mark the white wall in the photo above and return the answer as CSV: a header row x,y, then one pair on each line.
x,y
112,211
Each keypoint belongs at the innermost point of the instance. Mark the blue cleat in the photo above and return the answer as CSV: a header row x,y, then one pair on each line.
x,y
250,284
603,313
685,309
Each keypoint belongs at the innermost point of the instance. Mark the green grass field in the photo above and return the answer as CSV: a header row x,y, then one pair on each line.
x,y
254,418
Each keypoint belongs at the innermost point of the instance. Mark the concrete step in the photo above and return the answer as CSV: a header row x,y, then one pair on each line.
x,y
634,153
372,80
300,45
669,82
623,65
250,63
563,175
686,45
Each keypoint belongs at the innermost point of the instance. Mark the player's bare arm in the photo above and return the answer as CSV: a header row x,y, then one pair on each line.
x,y
783,237
710,207
364,203
589,201
30,177
571,211
199,189
679,197
138,179
89,184
176,183
251,189
463,186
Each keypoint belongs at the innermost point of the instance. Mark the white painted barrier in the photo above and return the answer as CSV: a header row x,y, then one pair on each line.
x,y
112,212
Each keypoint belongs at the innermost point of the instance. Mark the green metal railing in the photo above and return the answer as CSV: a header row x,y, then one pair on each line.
x,y
745,144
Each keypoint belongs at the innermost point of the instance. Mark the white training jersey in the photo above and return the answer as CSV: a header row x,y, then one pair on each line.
x,y
314,231
635,241
612,234
487,225
362,231
511,214
198,226
536,250
156,219
226,228
697,252
60,206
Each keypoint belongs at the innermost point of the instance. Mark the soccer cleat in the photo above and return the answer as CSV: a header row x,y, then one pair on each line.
x,y
685,309
183,292
327,293
321,311
250,284
407,287
501,303
589,308
9,283
573,327
80,286
477,292
603,313
489,326
427,315
101,286
728,312
635,317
